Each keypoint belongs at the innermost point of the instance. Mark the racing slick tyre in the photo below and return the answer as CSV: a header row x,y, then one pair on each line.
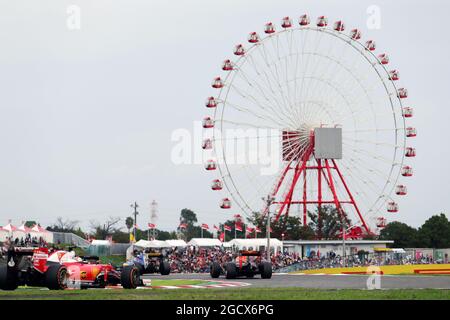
x,y
130,277
140,268
215,270
231,271
266,270
56,277
8,278
164,268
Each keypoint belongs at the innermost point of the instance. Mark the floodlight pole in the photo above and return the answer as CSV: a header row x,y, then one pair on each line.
x,y
269,199
135,206
343,241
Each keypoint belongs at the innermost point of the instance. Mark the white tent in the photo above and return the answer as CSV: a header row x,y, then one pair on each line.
x,y
226,244
205,242
255,244
21,232
152,244
100,243
176,243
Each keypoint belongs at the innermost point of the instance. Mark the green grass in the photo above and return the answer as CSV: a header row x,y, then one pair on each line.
x,y
116,260
176,282
235,294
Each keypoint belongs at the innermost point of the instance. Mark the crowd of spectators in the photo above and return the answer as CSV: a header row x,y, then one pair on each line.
x,y
27,241
197,260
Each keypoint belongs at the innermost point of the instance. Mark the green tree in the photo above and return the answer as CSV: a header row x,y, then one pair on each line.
x,y
291,227
326,222
403,235
30,224
435,232
188,216
129,222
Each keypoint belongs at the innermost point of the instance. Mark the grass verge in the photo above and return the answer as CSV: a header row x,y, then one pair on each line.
x,y
229,294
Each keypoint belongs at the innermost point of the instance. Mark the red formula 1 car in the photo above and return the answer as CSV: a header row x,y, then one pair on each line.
x,y
60,269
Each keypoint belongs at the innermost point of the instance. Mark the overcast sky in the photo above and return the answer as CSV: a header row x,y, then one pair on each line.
x,y
86,115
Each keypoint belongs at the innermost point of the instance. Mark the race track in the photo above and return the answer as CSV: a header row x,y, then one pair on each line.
x,y
330,281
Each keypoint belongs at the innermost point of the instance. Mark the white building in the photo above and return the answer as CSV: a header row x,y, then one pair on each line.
x,y
307,247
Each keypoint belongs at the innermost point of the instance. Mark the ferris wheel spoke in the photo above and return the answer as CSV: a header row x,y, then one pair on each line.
x,y
350,172
383,144
367,153
262,106
264,116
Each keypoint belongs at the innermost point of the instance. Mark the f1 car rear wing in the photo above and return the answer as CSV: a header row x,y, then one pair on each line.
x,y
155,255
247,253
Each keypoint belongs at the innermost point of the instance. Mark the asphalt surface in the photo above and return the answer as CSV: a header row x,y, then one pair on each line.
x,y
329,281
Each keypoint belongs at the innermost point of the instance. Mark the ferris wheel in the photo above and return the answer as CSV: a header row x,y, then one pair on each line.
x,y
324,111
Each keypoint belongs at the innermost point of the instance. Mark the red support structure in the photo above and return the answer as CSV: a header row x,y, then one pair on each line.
x,y
325,168
304,198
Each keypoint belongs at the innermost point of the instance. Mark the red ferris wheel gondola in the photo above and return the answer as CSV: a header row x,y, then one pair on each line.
x,y
383,58
269,28
411,132
401,190
407,112
208,123
339,26
217,83
410,152
253,37
392,207
381,222
227,65
407,171
207,144
402,93
371,45
225,203
239,50
211,102
355,34
394,75
304,20
286,22
210,165
216,184
322,21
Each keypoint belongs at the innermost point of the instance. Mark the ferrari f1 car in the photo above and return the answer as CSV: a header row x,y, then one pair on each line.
x,y
247,264
60,269
149,262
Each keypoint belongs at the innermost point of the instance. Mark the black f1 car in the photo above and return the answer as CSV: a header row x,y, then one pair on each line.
x,y
149,262
247,264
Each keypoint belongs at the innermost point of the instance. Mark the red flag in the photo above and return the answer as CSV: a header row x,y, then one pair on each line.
x,y
249,230
152,226
258,230
205,226
222,236
226,228
183,226
238,226
216,227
